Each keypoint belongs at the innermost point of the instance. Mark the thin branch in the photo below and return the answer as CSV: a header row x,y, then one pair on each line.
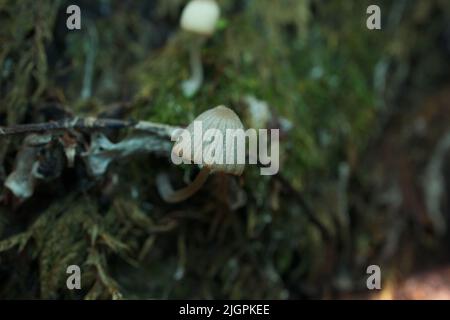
x,y
89,123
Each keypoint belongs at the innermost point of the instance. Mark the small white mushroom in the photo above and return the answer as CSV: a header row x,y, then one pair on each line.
x,y
219,120
199,17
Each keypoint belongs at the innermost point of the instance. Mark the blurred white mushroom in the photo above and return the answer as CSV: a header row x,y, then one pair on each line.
x,y
199,17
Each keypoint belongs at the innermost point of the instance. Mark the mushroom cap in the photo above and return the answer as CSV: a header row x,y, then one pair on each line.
x,y
200,16
219,118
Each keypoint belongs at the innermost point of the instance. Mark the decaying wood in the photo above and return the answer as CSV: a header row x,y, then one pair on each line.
x,y
154,138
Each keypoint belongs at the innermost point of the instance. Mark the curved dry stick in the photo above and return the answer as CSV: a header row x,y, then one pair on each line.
x,y
171,196
88,123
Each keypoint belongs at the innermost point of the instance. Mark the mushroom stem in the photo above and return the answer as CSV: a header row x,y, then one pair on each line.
x,y
171,196
193,84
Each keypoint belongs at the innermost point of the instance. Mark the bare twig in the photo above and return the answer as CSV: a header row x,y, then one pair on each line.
x,y
89,123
